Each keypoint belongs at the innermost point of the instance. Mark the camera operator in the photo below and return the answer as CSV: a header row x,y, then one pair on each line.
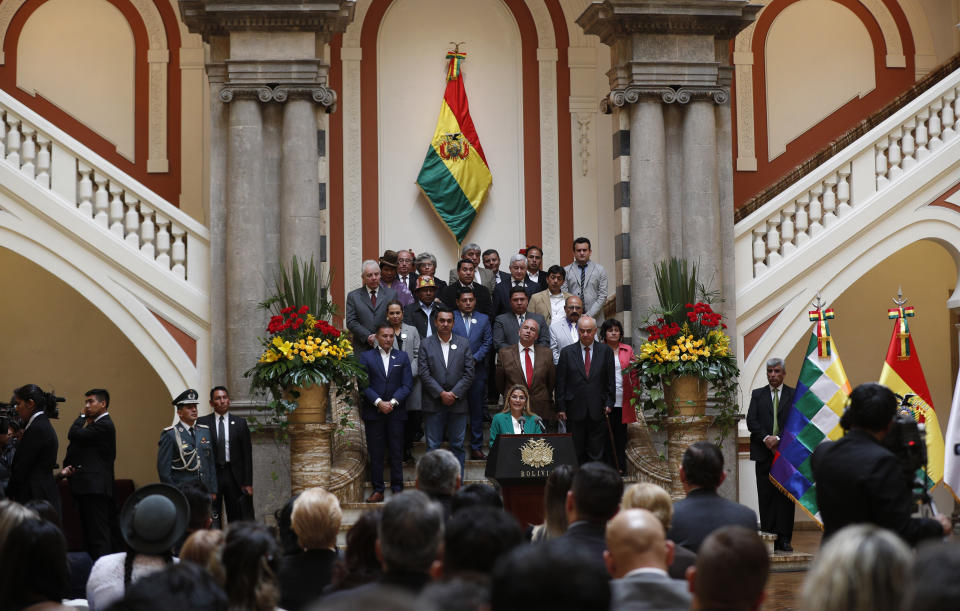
x,y
31,474
859,480
8,446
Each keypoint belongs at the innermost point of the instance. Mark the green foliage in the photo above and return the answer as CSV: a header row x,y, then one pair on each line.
x,y
301,285
676,284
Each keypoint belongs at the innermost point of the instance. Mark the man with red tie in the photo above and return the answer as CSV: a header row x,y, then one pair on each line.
x,y
531,365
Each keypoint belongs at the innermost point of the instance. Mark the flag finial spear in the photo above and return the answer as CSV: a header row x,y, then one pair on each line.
x,y
818,303
899,299
902,313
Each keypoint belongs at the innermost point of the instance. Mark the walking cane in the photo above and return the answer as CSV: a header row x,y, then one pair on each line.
x,y
613,445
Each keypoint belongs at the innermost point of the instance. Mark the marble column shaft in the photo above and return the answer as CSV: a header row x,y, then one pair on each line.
x,y
299,194
700,202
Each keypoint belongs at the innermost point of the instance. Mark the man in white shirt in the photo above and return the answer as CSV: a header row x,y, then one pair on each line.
x,y
550,302
563,332
233,450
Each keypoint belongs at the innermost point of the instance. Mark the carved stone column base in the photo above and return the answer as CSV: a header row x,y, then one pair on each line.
x,y
682,432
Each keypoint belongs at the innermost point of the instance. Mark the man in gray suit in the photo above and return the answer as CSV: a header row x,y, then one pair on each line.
x,y
506,327
637,556
563,332
485,277
446,374
586,279
367,307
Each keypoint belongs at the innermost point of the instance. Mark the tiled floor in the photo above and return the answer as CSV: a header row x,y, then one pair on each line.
x,y
783,589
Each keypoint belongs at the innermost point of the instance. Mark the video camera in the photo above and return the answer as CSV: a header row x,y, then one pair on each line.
x,y
8,412
907,438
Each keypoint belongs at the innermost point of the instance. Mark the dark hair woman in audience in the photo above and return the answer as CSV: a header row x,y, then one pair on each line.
x,y
248,567
31,474
554,504
33,567
360,564
623,412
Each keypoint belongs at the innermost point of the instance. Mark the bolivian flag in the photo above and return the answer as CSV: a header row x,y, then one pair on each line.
x,y
903,375
455,177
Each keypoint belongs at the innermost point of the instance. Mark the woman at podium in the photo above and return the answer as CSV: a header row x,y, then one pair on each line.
x,y
516,417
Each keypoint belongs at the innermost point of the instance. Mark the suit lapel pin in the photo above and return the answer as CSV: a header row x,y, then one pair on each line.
x,y
403,336
453,346
473,321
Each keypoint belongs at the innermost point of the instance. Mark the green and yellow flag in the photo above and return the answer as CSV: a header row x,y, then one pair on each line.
x,y
455,177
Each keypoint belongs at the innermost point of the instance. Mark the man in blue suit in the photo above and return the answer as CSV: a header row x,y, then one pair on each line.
x,y
389,381
476,328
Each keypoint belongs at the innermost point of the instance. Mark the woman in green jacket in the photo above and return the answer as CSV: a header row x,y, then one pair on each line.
x,y
516,415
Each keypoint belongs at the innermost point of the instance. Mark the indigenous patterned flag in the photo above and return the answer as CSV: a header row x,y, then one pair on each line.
x,y
903,375
951,459
455,177
818,403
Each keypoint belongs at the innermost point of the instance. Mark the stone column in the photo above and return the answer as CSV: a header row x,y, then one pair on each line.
x,y
299,195
700,202
649,212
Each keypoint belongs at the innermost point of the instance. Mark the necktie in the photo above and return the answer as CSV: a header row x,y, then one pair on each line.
x,y
373,298
529,365
586,360
221,443
466,324
520,319
399,342
192,436
583,273
776,408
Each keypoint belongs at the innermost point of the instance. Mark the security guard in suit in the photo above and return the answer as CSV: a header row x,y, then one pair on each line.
x,y
186,449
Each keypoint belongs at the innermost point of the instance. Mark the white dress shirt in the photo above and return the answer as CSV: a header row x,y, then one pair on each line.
x,y
556,306
618,380
445,348
517,427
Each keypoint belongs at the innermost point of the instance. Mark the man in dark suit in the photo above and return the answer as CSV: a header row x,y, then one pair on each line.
x,y
367,307
466,274
586,390
389,382
420,313
638,554
31,473
531,365
535,271
476,328
491,261
405,271
446,375
703,510
593,499
506,327
518,278
233,450
766,417
89,466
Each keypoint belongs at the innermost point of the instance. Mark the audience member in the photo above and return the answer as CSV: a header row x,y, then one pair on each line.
x,y
638,554
359,564
419,314
476,328
586,279
11,514
383,598
286,536
549,302
491,261
201,507
31,473
455,595
592,500
466,277
563,331
316,520
367,307
33,566
476,538
731,571
438,476
862,568
389,277
506,326
550,577
79,563
535,271
152,521
703,510
623,413
8,447
407,338
201,547
247,567
933,585
475,495
503,292
657,501
554,504
179,586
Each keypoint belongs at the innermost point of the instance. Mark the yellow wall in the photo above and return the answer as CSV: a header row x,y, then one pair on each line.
x,y
53,337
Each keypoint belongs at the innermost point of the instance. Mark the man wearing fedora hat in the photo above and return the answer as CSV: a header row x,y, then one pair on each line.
x,y
419,314
186,448
388,277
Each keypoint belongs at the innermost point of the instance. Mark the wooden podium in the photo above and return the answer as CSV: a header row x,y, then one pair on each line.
x,y
521,465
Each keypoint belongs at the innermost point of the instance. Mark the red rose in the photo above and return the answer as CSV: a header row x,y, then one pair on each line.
x,y
303,310
286,310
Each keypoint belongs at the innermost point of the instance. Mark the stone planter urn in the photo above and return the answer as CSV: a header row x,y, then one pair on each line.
x,y
310,435
687,424
686,396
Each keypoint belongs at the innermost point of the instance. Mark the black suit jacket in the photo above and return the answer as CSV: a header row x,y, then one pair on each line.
x,y
760,419
501,294
701,513
414,316
579,396
241,447
92,451
31,474
303,577
587,536
448,295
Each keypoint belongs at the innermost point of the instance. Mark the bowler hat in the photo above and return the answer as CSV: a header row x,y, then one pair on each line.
x,y
389,258
154,518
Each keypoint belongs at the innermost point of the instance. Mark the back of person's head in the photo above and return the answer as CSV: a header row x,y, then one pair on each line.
x,y
703,465
360,564
33,563
476,537
596,490
934,586
731,570
201,507
46,511
549,577
555,498
438,473
651,497
201,547
381,598
861,568
455,595
316,519
11,514
871,407
178,586
410,532
248,566
636,539
475,495
288,538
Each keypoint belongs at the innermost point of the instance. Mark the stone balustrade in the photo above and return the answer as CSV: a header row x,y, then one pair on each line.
x,y
100,193
850,180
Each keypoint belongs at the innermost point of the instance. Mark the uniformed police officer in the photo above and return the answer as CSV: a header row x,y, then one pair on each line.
x,y
186,449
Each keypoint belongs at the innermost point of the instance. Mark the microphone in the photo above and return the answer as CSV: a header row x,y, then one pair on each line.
x,y
539,422
521,420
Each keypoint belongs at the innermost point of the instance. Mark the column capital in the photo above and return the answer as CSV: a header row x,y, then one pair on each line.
x,y
321,94
218,17
667,95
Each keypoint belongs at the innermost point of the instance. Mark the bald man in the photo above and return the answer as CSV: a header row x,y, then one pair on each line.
x,y
638,554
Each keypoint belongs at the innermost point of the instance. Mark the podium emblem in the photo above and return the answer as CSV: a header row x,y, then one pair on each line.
x,y
536,453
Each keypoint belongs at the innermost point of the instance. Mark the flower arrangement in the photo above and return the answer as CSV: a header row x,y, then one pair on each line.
x,y
686,337
301,349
